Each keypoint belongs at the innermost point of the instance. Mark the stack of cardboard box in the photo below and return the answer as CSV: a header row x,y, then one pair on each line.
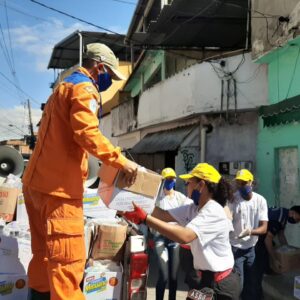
x,y
289,258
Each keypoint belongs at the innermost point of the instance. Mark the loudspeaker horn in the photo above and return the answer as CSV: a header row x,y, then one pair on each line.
x,y
11,162
93,168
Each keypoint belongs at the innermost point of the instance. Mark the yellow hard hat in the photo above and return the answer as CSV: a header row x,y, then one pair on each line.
x,y
203,171
244,175
168,172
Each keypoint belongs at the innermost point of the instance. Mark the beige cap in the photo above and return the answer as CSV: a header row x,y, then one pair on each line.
x,y
104,54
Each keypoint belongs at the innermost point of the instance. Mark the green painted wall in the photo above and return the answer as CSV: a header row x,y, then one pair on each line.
x,y
283,76
153,61
269,139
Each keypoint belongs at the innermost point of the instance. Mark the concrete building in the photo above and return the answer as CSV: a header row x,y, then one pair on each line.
x,y
179,106
278,156
204,112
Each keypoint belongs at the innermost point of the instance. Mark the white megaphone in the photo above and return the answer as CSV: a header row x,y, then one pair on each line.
x,y
93,168
11,162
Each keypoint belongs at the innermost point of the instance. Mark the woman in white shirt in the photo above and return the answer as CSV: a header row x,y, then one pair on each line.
x,y
204,225
166,250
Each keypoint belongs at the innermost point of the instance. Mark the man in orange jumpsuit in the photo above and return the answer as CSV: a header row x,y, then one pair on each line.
x,y
54,178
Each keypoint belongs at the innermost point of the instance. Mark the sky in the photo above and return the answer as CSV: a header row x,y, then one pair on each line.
x,y
28,33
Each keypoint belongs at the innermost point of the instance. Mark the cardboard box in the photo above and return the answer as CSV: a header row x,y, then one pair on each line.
x,y
94,207
297,287
13,287
22,215
102,283
116,195
8,201
109,241
9,256
25,253
289,258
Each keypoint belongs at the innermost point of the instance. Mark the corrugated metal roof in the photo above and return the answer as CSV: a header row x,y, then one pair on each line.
x,y
284,112
200,23
65,54
168,140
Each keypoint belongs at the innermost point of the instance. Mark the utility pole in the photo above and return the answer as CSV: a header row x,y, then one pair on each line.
x,y
32,137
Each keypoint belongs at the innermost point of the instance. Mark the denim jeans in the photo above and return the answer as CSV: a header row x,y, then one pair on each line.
x,y
244,265
261,265
167,253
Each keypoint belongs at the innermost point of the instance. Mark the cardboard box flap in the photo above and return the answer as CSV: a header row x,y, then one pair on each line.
x,y
107,174
146,183
8,199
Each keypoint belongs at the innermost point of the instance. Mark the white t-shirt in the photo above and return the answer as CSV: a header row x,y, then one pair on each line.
x,y
172,201
211,250
247,214
178,199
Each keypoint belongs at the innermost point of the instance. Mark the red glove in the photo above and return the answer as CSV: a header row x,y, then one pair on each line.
x,y
137,216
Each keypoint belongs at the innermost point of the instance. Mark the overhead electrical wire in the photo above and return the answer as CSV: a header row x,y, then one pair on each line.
x,y
5,50
13,125
9,39
26,94
13,67
25,13
10,130
125,2
75,18
9,120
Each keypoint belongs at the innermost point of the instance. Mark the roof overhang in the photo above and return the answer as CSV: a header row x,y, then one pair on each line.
x,y
66,53
284,112
219,24
168,140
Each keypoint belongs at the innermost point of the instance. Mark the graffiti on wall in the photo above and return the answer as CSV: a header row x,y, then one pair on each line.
x,y
189,159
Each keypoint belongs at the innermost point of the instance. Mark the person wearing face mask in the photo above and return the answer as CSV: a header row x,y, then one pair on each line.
x,y
250,219
53,182
166,250
265,249
204,225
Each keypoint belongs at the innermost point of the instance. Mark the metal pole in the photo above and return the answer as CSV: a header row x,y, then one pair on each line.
x,y
80,49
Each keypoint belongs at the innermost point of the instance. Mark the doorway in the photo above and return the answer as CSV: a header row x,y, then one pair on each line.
x,y
288,187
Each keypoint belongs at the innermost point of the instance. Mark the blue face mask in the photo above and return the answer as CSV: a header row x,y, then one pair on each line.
x,y
245,191
291,220
104,81
196,196
169,184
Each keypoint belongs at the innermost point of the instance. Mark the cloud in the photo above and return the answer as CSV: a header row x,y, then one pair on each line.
x,y
38,40
14,122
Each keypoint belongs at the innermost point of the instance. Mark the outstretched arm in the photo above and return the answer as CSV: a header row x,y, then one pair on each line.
x,y
177,233
174,232
163,215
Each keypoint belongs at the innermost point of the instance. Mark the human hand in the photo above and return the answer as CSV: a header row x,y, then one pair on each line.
x,y
130,170
244,233
137,216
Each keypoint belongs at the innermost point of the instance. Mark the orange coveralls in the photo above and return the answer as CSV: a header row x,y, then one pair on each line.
x,y
53,185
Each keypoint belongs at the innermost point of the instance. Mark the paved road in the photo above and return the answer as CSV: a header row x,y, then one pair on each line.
x,y
182,287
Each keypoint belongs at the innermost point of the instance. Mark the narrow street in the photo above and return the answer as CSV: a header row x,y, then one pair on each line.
x,y
181,289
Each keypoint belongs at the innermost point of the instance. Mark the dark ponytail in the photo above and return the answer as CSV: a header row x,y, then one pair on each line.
x,y
221,192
